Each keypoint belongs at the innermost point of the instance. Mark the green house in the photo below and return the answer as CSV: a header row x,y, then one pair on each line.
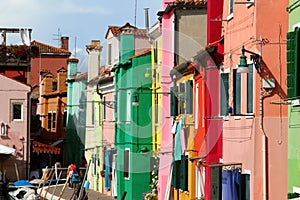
x,y
133,127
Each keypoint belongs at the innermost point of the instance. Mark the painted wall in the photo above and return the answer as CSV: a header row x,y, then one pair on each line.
x,y
17,131
245,27
76,120
293,116
166,120
133,127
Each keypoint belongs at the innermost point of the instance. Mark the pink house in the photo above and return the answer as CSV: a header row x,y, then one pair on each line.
x,y
14,122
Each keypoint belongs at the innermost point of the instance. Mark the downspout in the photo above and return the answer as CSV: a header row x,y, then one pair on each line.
x,y
264,137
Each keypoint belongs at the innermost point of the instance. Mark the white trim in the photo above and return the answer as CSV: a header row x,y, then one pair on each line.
x,y
197,106
229,17
17,102
128,110
237,117
3,127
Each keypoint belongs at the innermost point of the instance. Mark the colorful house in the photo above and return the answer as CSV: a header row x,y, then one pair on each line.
x,y
53,116
93,142
14,135
76,109
293,53
255,128
133,133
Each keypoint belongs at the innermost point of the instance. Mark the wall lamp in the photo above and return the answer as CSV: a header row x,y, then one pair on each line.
x,y
243,66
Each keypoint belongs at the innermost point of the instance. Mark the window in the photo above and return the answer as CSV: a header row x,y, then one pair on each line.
x,y
126,163
17,110
224,94
53,120
189,97
65,119
236,92
109,54
3,129
293,61
54,86
174,101
93,113
250,90
104,107
128,110
181,98
49,120
231,3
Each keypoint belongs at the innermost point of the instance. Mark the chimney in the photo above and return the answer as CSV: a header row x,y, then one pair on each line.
x,y
93,50
147,20
64,43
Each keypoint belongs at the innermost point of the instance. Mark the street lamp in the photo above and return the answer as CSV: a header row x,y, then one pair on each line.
x,y
243,66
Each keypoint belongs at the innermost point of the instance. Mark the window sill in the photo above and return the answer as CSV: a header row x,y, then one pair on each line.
x,y
229,17
237,117
4,136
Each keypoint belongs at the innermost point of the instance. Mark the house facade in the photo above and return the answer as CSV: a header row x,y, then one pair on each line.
x,y
76,110
93,120
293,41
255,131
14,128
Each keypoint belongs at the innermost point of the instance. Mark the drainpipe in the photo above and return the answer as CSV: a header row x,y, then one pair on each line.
x,y
264,137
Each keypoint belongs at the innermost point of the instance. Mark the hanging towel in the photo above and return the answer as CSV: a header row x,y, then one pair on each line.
x,y
173,130
107,170
25,36
182,136
229,190
177,148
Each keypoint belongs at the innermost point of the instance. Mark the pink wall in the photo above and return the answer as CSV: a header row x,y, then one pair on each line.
x,y
17,130
167,139
243,135
108,124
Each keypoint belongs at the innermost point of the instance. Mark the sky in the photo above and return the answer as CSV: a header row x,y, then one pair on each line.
x,y
80,20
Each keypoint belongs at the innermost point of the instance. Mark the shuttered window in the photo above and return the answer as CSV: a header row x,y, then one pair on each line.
x,y
189,97
293,63
174,101
224,94
250,89
236,92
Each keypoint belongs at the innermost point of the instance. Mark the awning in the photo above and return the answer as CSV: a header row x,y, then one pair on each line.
x,y
39,147
6,150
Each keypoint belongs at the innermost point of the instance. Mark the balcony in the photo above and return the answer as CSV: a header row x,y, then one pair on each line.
x,y
14,55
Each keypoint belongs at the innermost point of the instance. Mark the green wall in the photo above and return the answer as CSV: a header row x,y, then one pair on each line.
x,y
135,134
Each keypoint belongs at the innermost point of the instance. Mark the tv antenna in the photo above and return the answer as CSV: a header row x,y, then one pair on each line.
x,y
135,11
58,36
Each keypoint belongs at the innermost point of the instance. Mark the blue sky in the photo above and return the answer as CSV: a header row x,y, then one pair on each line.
x,y
84,19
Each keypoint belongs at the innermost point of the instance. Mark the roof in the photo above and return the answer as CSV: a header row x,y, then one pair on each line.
x,y
140,54
81,76
47,49
117,30
114,29
190,2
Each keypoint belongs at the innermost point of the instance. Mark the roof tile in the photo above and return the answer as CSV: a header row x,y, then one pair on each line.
x,y
45,48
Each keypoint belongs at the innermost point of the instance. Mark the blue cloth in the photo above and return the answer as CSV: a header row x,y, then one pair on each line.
x,y
177,147
107,170
22,183
230,184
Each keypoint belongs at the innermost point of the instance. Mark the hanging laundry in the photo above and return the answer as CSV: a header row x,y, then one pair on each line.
x,y
25,36
173,129
230,184
182,136
177,147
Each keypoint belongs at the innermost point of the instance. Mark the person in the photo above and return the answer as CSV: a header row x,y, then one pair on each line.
x,y
83,162
71,172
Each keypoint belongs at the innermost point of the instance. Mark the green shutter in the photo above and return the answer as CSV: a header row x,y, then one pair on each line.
x,y
250,90
237,92
293,61
224,94
174,101
176,174
181,97
184,173
216,183
189,97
